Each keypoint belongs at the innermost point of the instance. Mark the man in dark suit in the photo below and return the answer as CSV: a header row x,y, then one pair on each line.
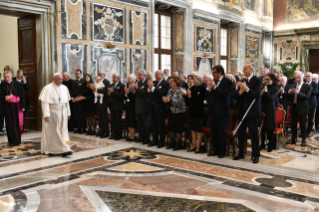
x,y
299,109
23,80
219,110
263,74
315,79
75,95
283,96
101,109
1,110
249,90
116,92
158,89
142,105
312,102
292,81
68,82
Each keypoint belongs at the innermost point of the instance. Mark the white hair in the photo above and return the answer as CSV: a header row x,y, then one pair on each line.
x,y
283,77
67,73
56,74
267,70
7,72
117,75
251,66
309,73
315,76
143,71
301,73
132,76
198,75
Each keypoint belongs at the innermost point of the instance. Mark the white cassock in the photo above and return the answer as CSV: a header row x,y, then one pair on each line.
x,y
55,105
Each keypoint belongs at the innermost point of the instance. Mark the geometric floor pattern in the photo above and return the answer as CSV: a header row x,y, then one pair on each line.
x,y
108,175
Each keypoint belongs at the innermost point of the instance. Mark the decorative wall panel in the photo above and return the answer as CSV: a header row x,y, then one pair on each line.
x,y
179,63
138,28
275,53
267,50
204,64
179,32
73,18
249,4
108,23
109,60
74,57
298,10
268,7
233,66
289,50
138,60
252,47
234,42
204,39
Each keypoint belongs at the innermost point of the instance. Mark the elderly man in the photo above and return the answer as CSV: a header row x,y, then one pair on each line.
x,y
102,107
166,74
68,82
23,80
56,111
292,81
299,108
312,101
233,100
13,108
158,89
283,96
116,93
142,105
315,79
263,73
249,90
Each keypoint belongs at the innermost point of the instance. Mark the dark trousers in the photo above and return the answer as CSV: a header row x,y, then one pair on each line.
x,y
71,122
117,122
158,127
270,137
311,116
103,119
252,124
80,119
141,126
1,122
317,119
302,122
218,128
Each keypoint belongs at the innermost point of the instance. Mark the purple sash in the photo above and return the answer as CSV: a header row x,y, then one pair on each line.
x,y
16,99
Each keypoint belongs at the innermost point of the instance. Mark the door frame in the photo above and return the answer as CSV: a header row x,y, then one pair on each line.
x,y
46,16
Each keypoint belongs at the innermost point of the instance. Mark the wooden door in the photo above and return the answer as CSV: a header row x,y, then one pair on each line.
x,y
314,60
27,62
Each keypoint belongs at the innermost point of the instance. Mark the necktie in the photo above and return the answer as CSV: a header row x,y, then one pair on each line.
x,y
216,81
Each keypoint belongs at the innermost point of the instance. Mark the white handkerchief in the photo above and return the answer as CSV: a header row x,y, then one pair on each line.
x,y
159,87
198,93
142,87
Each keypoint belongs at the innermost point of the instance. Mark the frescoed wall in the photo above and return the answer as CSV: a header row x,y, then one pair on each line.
x,y
302,10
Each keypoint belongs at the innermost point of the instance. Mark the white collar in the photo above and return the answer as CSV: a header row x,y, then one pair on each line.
x,y
144,80
300,83
249,78
79,79
160,81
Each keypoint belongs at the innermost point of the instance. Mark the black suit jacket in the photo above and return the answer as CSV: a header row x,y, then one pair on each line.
x,y
142,98
219,101
69,85
284,98
105,92
26,88
117,96
159,91
233,100
312,101
246,98
77,88
302,99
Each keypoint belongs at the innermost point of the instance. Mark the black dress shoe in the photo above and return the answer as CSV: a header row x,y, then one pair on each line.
x,y
221,155
291,141
146,142
69,153
269,150
212,154
112,137
64,154
190,150
256,160
77,131
197,152
98,134
262,147
81,132
104,135
160,145
50,154
238,157
152,144
303,143
118,138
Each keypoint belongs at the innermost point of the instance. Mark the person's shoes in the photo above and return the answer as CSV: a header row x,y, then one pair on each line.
x,y
112,137
238,157
145,142
152,144
88,133
98,134
169,146
104,135
291,141
269,150
221,155
77,131
64,154
212,154
50,154
118,138
262,147
2,130
160,145
197,152
69,153
81,132
303,143
190,150
256,160
309,135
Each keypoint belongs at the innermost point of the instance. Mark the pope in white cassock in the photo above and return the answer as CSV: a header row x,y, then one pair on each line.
x,y
56,112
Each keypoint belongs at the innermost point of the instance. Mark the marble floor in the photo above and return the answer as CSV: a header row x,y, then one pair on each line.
x,y
107,175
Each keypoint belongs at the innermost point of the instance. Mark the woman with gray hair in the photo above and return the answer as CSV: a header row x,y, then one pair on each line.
x,y
130,117
196,95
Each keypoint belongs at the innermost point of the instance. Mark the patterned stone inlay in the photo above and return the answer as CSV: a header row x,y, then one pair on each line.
x,y
207,169
136,202
131,154
134,167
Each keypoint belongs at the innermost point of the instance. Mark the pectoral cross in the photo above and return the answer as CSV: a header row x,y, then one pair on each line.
x,y
59,100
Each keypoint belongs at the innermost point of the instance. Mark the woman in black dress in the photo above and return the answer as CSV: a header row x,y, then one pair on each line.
x,y
130,117
88,106
196,95
268,100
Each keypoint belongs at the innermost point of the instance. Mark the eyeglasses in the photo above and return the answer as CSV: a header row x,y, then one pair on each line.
x,y
214,72
267,79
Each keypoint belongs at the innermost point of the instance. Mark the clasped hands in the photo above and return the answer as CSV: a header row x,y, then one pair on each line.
x,y
211,85
242,87
293,90
166,99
